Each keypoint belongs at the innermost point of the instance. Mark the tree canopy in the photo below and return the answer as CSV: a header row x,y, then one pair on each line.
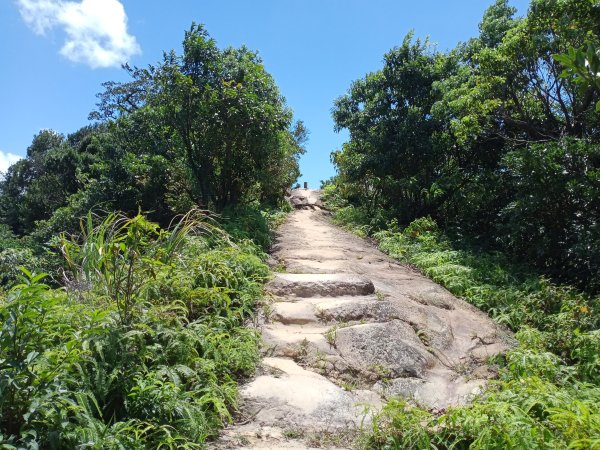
x,y
205,128
498,139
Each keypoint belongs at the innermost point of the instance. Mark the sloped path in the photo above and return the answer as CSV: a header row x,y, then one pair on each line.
x,y
348,329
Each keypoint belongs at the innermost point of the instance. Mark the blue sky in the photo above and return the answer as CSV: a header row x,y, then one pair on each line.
x,y
56,53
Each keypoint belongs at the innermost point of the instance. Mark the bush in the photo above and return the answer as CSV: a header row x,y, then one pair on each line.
x,y
548,394
552,219
142,347
250,223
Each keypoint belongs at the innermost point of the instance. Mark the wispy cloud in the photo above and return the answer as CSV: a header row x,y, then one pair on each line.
x,y
96,30
7,160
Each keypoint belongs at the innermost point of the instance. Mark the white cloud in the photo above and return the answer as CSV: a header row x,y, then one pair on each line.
x,y
6,160
96,30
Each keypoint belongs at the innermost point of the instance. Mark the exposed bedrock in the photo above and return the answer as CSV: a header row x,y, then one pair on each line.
x,y
348,328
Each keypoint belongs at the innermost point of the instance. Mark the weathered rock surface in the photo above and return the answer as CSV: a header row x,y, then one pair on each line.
x,y
349,329
294,313
294,396
433,391
315,284
390,349
356,309
294,341
305,199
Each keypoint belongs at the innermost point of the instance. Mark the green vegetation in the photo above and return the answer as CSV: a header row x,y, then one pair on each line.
x,y
480,166
140,348
126,330
497,139
207,128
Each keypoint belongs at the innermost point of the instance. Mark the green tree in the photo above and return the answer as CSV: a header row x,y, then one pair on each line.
x,y
498,19
35,186
392,156
217,112
493,139
582,66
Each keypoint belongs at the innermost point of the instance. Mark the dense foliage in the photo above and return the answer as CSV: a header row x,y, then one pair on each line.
x,y
481,167
123,330
497,139
222,116
206,128
142,345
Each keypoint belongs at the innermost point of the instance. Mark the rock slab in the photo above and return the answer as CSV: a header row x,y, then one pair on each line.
x,y
319,285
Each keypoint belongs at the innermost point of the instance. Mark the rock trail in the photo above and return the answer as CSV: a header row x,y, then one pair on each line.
x,y
349,328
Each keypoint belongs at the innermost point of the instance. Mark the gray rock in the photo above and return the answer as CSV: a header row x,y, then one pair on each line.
x,y
391,349
319,285
306,199
429,294
399,387
369,308
289,313
303,398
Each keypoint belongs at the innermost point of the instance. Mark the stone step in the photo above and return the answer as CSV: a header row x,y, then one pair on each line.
x,y
300,265
254,436
349,309
293,341
391,348
294,313
292,395
305,311
319,285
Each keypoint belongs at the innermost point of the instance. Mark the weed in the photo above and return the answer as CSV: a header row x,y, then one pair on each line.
x,y
268,310
380,371
320,361
423,337
348,385
303,350
293,433
331,335
322,315
280,268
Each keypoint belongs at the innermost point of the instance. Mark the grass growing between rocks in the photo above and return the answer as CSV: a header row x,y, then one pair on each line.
x,y
548,392
141,347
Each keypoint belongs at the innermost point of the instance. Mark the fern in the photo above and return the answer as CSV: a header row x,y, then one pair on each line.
x,y
142,348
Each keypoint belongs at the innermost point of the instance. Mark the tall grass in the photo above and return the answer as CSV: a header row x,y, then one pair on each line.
x,y
143,345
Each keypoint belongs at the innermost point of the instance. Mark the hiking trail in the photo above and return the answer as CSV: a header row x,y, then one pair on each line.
x,y
350,327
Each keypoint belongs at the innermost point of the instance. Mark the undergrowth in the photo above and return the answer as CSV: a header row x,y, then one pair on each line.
x,y
548,392
141,347
566,319
250,223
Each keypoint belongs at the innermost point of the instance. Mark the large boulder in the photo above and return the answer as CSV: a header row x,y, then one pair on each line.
x,y
390,349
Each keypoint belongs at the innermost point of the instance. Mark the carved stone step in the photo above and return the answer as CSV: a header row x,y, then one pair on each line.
x,y
294,313
290,394
320,285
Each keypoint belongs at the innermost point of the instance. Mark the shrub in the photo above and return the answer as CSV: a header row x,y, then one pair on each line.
x,y
548,394
142,347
